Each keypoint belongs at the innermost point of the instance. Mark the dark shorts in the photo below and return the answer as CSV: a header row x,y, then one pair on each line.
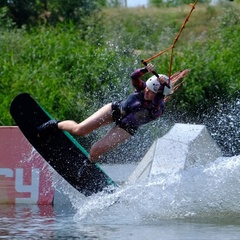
x,y
117,118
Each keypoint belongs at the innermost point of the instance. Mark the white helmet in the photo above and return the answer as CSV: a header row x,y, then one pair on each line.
x,y
167,90
153,84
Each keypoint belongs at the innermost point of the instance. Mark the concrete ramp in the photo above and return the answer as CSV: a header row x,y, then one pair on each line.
x,y
183,146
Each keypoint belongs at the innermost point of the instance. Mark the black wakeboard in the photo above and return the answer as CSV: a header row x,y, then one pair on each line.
x,y
59,149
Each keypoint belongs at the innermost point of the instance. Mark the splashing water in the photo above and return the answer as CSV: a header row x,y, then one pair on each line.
x,y
200,192
224,125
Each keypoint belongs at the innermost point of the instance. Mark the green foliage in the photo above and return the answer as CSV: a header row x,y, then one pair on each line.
x,y
33,12
73,69
5,21
23,11
216,73
58,68
172,3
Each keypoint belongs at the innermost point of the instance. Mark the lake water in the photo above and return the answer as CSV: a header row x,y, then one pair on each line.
x,y
201,202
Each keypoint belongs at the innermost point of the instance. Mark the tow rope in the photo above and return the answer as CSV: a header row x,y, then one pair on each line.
x,y
144,62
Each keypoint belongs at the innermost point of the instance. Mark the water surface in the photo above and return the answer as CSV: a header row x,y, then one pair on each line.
x,y
201,202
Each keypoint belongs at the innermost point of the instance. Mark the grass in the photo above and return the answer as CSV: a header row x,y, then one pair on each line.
x,y
202,19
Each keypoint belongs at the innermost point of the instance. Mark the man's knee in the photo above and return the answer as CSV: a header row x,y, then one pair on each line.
x,y
98,149
79,130
94,155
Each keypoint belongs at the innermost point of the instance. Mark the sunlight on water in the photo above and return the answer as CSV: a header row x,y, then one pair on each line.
x,y
198,193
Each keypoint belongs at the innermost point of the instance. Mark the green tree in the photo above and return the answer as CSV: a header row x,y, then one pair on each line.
x,y
22,11
31,12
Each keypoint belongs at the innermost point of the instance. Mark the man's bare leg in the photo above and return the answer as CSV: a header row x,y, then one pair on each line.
x,y
100,118
113,138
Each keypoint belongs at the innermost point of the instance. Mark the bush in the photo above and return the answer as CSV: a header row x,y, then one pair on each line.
x,y
60,70
216,72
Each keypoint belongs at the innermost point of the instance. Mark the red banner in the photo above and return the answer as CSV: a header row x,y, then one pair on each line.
x,y
25,177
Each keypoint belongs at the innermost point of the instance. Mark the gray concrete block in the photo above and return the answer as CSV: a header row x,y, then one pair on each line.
x,y
183,146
